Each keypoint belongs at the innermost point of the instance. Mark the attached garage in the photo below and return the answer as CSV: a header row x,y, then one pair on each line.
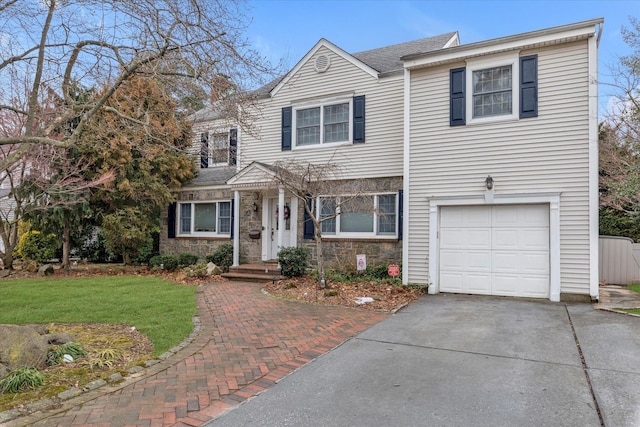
x,y
495,250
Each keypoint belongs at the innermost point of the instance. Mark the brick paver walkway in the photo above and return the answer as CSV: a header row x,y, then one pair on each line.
x,y
248,341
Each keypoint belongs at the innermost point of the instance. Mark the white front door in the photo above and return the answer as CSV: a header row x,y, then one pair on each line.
x,y
271,226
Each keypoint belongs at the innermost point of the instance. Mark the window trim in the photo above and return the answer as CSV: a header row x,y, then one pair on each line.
x,y
370,235
511,59
191,233
321,104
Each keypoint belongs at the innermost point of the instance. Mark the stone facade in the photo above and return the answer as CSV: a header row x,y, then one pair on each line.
x,y
201,246
338,253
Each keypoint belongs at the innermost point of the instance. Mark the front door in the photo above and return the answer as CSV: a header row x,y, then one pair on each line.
x,y
271,226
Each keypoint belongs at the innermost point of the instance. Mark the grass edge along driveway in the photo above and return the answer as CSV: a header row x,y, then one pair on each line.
x,y
159,309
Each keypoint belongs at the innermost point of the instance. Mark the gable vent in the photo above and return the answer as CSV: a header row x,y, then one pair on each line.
x,y
322,63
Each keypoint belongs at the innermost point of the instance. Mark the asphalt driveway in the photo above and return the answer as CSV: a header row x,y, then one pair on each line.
x,y
467,360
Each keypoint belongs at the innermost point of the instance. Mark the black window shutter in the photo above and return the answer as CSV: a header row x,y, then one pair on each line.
x,y
232,216
400,212
286,128
204,150
457,105
171,221
529,86
309,229
233,147
358,119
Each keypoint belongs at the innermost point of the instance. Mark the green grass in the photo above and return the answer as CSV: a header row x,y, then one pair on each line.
x,y
631,310
635,288
159,309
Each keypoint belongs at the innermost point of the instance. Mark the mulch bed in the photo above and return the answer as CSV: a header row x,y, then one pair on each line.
x,y
386,297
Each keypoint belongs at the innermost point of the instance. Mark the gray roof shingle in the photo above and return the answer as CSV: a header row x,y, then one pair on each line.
x,y
387,59
217,175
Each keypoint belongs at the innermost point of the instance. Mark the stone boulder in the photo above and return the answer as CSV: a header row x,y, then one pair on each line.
x,y
213,269
45,270
27,345
30,266
21,346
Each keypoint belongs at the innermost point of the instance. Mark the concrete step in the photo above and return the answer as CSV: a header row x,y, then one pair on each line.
x,y
251,277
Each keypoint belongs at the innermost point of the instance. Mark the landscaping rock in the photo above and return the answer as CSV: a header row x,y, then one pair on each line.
x,y
45,270
5,273
30,266
213,269
22,345
59,339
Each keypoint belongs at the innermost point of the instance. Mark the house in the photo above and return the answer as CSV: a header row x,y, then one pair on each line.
x,y
478,161
323,102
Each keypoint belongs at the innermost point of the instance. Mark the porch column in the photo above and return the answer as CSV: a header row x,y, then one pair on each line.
x,y
280,217
236,228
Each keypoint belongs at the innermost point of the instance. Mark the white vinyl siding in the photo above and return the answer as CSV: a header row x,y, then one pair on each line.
x,y
546,153
382,153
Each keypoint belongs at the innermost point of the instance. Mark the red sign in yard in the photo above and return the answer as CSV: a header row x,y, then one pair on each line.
x,y
394,270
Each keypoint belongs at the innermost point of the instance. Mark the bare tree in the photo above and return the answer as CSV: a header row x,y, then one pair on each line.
x,y
324,195
58,44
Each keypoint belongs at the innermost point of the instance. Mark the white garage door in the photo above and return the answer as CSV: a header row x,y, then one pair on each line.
x,y
495,250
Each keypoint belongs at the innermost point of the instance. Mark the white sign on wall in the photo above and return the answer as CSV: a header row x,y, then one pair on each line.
x,y
361,262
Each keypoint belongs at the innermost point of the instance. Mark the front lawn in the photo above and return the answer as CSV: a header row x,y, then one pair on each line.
x,y
159,309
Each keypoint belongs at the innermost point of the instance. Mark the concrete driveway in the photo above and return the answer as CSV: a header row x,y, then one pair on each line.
x,y
455,360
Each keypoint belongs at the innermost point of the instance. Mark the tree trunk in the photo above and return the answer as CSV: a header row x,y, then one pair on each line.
x,y
66,244
319,255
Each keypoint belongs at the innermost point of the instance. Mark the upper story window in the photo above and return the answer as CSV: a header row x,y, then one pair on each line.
x,y
335,121
492,92
494,88
322,124
360,216
205,219
218,149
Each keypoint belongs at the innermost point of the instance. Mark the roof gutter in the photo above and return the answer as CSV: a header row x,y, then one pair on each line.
x,y
518,41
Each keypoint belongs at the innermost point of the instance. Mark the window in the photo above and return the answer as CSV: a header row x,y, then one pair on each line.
x,y
322,124
360,216
492,92
205,219
498,88
218,149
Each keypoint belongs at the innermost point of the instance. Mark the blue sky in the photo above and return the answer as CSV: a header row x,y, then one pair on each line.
x,y
289,29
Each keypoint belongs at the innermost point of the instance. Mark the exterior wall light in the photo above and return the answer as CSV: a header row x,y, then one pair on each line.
x,y
255,207
489,182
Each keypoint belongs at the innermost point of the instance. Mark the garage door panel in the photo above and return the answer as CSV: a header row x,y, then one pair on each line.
x,y
534,262
499,250
477,283
452,259
534,238
451,281
534,215
477,261
505,262
505,284
534,286
452,238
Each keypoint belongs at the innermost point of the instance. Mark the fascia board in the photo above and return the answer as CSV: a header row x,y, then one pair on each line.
x,y
520,41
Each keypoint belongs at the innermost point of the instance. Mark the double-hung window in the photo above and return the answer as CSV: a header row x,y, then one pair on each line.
x,y
218,149
322,124
374,215
501,87
492,91
205,218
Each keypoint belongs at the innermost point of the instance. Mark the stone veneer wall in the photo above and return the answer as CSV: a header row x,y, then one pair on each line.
x,y
201,246
340,254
